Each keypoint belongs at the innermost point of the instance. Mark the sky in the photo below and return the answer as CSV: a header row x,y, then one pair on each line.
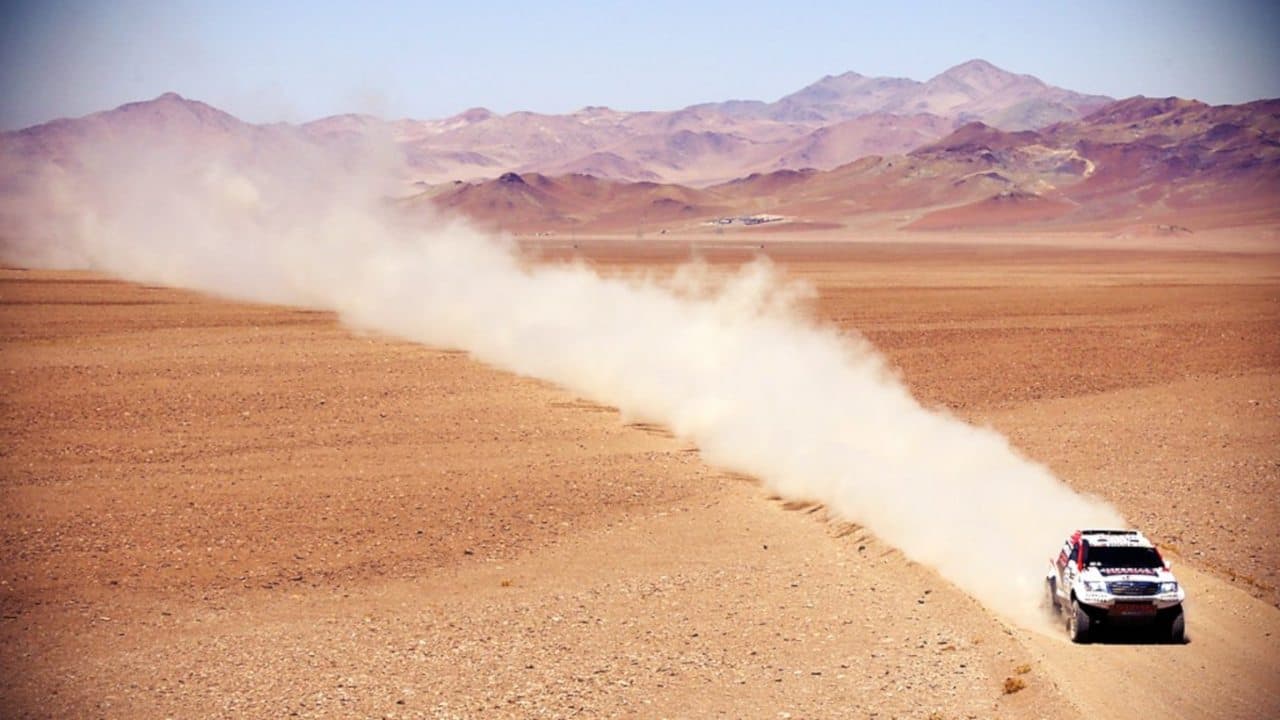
x,y
297,61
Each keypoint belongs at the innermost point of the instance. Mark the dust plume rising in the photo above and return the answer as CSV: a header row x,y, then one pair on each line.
x,y
731,364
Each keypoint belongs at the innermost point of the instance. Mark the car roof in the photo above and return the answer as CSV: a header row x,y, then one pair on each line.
x,y
1121,538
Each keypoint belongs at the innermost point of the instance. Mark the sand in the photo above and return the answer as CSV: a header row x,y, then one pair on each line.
x,y
214,509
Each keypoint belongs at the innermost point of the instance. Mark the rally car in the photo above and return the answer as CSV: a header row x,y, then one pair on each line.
x,y
1107,578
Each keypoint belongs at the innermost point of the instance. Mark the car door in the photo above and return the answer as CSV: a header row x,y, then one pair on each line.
x,y
1066,567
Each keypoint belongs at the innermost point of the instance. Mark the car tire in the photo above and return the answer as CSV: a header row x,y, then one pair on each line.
x,y
1078,623
1178,627
1052,589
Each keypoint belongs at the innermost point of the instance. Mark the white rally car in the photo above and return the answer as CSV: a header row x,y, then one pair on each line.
x,y
1111,578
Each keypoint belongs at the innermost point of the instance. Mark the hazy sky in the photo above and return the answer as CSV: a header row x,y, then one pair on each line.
x,y
265,61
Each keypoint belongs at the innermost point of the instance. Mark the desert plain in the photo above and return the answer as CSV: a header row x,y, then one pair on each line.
x,y
213,509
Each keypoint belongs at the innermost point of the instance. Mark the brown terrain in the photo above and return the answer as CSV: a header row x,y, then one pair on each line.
x,y
216,509
220,509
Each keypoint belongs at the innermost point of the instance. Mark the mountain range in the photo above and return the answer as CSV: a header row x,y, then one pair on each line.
x,y
1147,162
833,121
976,146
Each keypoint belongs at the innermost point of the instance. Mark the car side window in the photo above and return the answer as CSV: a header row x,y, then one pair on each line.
x,y
1071,556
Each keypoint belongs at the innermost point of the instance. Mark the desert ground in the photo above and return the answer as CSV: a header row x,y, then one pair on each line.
x,y
213,509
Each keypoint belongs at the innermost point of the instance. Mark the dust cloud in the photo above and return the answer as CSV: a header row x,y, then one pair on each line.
x,y
730,363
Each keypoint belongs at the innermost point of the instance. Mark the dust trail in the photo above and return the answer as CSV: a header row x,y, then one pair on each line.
x,y
729,364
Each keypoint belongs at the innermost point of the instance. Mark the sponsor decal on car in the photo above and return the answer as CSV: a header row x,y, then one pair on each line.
x,y
1126,571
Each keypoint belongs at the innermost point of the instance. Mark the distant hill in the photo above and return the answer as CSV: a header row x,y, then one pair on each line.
x,y
975,90
817,126
533,202
826,124
820,156
1139,161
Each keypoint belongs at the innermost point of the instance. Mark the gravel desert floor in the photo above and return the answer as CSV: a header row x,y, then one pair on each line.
x,y
213,509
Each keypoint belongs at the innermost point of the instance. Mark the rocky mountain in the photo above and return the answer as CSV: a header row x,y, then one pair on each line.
x,y
975,90
1137,160
816,126
533,202
876,133
821,155
168,118
831,122
1151,162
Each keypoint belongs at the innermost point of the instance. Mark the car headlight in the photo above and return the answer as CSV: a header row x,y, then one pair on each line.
x,y
1095,586
1168,587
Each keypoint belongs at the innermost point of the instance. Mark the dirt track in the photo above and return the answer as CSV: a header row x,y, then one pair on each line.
x,y
212,509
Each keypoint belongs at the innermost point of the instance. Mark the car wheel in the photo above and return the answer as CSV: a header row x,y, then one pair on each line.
x,y
1078,623
1178,628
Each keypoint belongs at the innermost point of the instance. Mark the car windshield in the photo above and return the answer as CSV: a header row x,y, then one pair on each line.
x,y
1122,557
